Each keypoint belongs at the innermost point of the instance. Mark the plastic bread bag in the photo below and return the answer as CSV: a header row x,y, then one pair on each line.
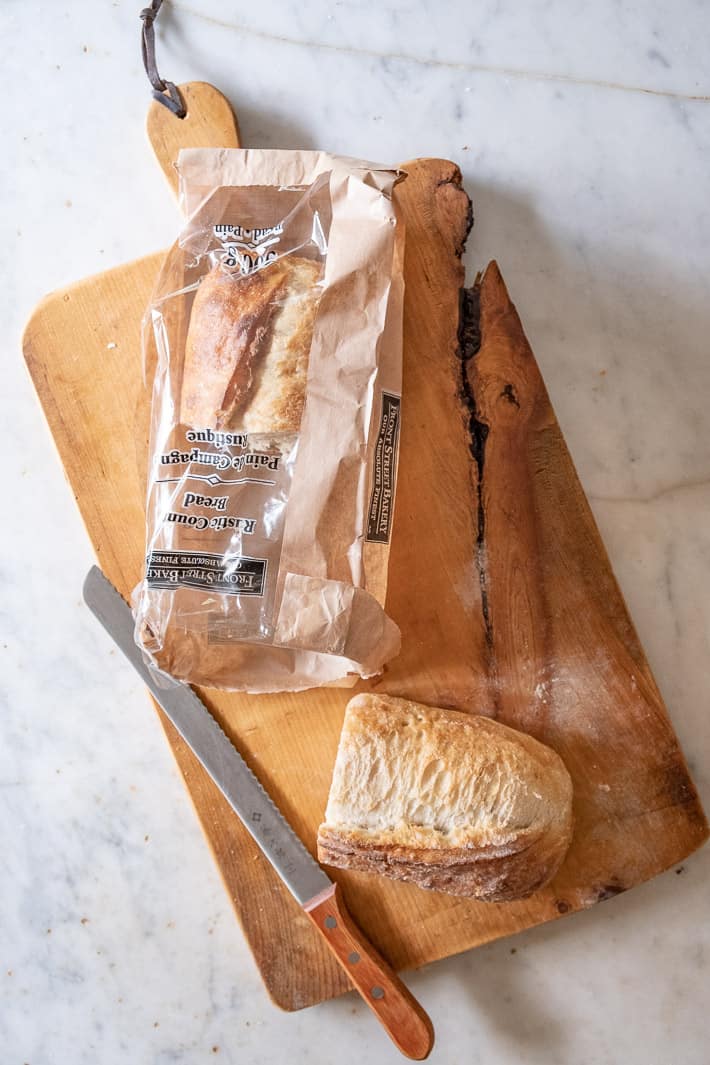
x,y
276,329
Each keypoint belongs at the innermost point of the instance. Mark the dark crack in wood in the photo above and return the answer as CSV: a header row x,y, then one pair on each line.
x,y
469,344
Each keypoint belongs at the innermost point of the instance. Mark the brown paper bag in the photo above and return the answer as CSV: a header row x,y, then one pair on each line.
x,y
277,322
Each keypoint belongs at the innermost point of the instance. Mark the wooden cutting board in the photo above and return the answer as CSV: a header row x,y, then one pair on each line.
x,y
498,580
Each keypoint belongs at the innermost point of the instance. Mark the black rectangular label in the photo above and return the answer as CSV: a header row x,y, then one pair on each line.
x,y
384,471
231,576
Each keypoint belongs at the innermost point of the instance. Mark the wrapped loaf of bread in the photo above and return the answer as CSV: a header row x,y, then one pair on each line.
x,y
276,328
450,801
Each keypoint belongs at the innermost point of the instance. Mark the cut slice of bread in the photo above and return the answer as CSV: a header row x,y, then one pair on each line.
x,y
450,801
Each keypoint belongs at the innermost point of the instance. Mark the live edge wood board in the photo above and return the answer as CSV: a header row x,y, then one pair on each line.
x,y
498,579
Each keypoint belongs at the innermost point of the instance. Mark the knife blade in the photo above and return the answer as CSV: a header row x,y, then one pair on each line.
x,y
395,1007
213,749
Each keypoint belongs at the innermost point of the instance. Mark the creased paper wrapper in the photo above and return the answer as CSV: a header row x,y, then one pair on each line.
x,y
275,333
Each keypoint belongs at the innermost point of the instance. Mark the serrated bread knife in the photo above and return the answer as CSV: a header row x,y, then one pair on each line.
x,y
395,1007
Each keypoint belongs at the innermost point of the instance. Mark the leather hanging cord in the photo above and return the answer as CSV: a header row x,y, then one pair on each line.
x,y
165,92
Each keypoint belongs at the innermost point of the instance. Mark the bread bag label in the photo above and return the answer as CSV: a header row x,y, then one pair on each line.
x,y
274,341
248,249
384,472
239,576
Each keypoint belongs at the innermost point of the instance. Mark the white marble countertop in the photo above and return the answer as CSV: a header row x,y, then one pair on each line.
x,y
583,132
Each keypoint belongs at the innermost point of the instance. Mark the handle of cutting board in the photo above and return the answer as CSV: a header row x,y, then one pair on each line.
x,y
209,123
393,1004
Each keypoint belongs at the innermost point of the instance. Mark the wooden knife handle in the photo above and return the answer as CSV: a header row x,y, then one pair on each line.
x,y
398,1011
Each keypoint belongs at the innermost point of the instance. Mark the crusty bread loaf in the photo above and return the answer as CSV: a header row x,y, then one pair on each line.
x,y
247,347
450,801
275,403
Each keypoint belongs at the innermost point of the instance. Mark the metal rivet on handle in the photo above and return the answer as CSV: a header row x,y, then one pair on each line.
x,y
377,992
353,957
330,922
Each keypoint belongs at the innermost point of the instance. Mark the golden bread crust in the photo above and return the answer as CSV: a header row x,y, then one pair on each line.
x,y
231,332
450,801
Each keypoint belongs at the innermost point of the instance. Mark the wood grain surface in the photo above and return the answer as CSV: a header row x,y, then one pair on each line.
x,y
498,580
209,122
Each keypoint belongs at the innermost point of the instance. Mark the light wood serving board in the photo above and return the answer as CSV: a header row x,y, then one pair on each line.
x,y
498,580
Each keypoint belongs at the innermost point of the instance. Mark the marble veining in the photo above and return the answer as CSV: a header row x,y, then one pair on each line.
x,y
245,30
583,134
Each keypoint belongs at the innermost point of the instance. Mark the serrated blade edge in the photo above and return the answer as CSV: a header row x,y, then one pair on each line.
x,y
213,748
